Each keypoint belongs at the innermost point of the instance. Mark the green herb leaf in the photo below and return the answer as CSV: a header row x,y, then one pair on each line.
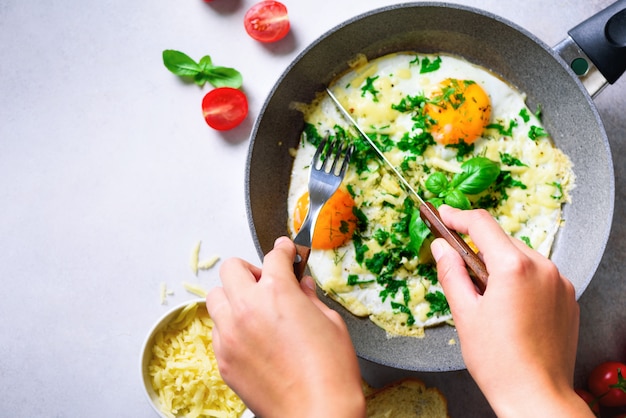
x,y
478,174
404,309
180,63
438,304
418,231
462,149
429,66
524,115
202,72
457,199
537,132
369,87
353,279
508,159
526,241
437,183
501,129
224,77
429,272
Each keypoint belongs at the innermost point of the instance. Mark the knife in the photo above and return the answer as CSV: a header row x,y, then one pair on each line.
x,y
428,212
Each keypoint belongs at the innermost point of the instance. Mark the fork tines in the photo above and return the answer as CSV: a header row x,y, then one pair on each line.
x,y
336,149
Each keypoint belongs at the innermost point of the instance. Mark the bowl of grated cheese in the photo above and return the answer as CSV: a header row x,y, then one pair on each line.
x,y
179,370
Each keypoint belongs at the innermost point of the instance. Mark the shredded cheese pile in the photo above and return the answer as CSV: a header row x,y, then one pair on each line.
x,y
183,369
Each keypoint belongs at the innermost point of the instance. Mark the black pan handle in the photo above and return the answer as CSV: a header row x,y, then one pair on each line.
x,y
602,38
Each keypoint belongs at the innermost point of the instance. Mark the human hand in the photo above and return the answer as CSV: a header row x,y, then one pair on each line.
x,y
519,338
278,346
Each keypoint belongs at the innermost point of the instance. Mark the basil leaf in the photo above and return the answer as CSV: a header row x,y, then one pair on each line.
x,y
206,63
224,77
478,174
458,200
180,63
418,231
437,183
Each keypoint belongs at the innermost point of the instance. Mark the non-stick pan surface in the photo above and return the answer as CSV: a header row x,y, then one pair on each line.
x,y
520,58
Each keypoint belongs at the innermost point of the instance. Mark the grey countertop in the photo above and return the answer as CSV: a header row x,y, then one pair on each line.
x,y
109,177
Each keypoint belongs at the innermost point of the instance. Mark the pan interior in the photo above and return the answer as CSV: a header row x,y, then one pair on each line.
x,y
484,39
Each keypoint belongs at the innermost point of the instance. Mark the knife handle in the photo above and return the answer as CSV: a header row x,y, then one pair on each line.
x,y
478,270
302,256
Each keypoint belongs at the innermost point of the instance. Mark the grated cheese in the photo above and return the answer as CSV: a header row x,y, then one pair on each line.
x,y
195,255
208,263
183,369
195,289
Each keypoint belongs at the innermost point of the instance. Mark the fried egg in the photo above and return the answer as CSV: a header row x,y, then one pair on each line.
x,y
433,116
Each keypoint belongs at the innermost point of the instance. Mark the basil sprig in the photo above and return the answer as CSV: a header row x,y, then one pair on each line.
x,y
476,176
201,72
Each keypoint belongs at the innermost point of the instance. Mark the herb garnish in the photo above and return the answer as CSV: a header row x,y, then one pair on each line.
x,y
203,71
438,304
369,87
537,132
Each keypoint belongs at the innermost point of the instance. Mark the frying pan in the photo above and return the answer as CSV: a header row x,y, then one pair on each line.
x,y
569,114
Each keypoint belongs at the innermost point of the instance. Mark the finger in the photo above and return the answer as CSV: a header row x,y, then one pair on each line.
x,y
216,342
217,305
278,263
453,276
485,232
308,287
237,274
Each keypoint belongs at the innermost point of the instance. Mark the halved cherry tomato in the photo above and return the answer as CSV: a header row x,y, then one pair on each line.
x,y
607,383
224,108
267,21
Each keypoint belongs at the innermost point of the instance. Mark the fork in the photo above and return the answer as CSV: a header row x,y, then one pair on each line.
x,y
324,180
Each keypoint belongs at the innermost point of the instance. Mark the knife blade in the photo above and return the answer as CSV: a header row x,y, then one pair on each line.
x,y
428,212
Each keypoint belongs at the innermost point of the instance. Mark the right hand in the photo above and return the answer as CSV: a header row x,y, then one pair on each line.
x,y
519,338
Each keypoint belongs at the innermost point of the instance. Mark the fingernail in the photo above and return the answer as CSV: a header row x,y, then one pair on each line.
x,y
309,282
436,249
280,240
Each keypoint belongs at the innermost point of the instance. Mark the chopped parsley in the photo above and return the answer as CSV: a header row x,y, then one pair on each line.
x,y
462,149
369,88
429,66
537,132
438,304
501,129
526,241
508,159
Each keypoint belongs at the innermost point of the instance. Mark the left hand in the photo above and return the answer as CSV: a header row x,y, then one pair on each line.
x,y
278,346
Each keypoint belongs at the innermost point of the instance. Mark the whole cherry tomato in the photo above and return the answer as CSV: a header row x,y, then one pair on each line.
x,y
607,383
267,21
591,400
224,108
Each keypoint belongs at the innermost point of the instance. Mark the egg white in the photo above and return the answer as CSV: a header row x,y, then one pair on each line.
x,y
532,214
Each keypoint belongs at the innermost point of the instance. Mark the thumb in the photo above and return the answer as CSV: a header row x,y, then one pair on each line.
x,y
307,284
308,287
453,276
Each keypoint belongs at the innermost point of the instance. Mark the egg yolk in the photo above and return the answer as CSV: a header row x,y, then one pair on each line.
x,y
335,223
460,110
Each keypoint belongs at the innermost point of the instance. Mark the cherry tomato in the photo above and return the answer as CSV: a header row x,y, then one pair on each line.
x,y
224,108
589,399
606,382
267,21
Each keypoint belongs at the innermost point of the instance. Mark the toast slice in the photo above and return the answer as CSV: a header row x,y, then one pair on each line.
x,y
407,398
